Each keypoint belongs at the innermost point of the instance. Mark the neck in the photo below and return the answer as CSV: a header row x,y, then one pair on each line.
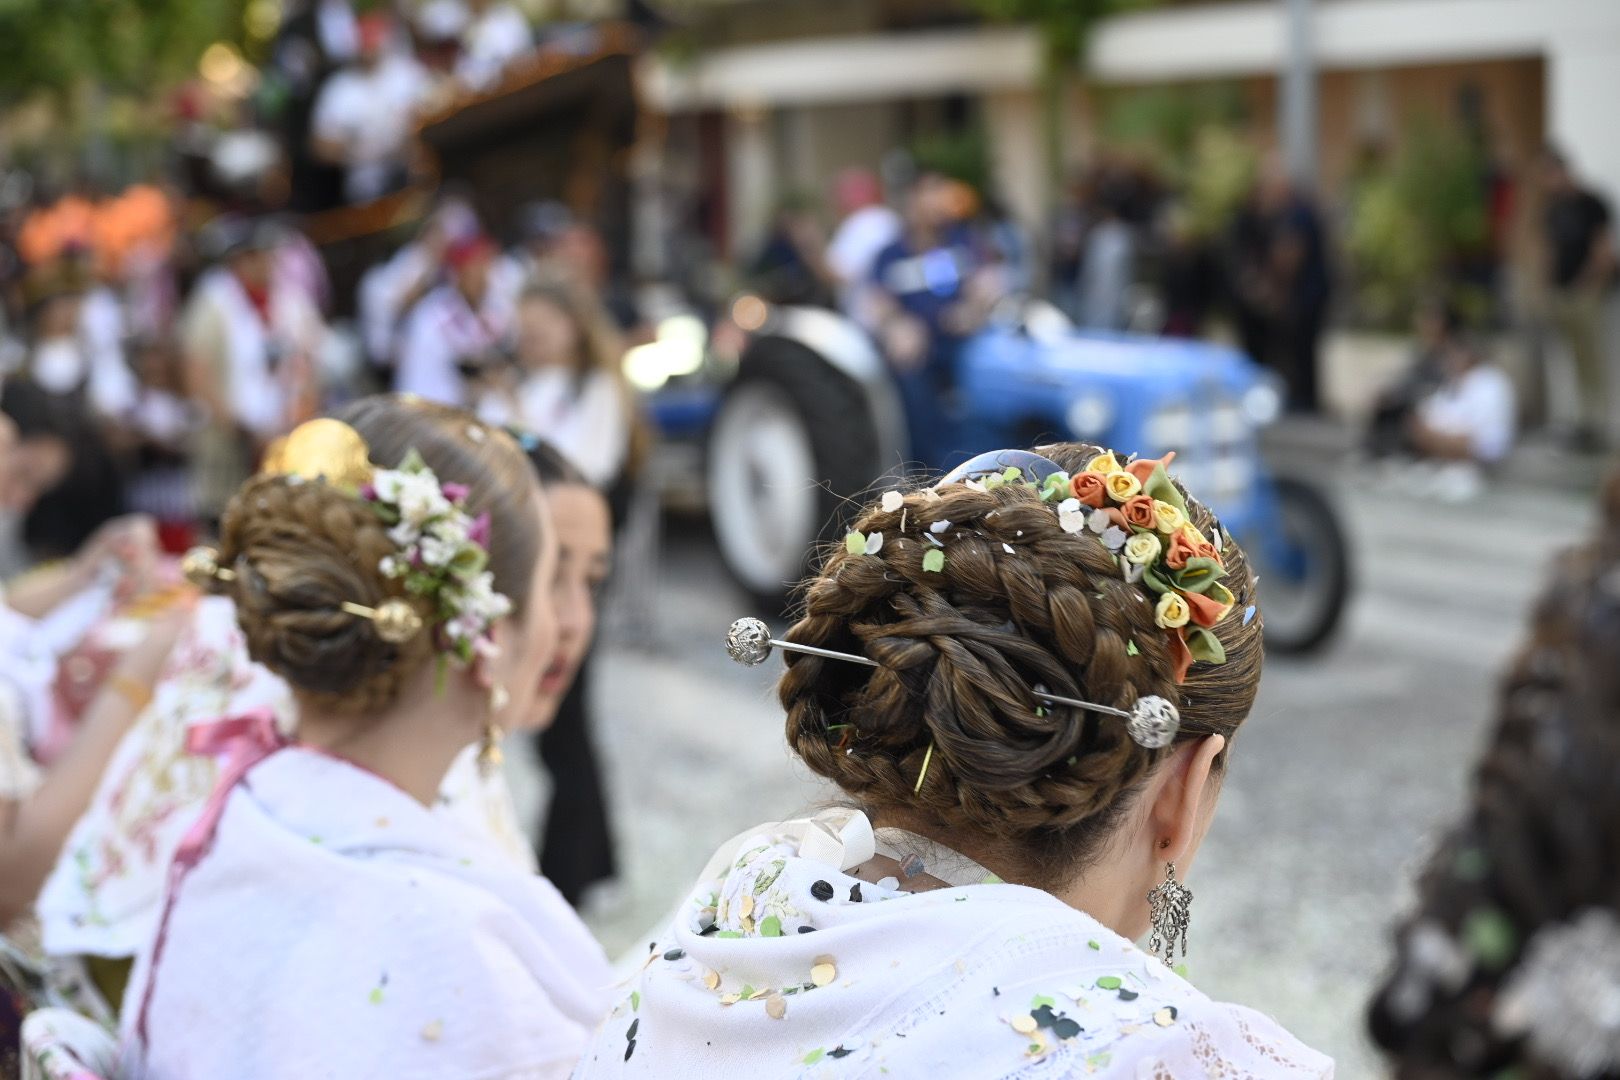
x,y
1109,891
412,743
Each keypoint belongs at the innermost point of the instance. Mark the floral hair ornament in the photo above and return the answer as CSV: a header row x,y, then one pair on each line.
x,y
1152,722
443,552
1136,512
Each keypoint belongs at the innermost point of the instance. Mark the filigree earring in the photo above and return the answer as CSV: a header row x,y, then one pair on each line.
x,y
1170,910
489,743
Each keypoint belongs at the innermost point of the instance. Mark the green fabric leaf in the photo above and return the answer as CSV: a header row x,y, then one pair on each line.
x,y
1152,580
1055,488
1198,575
934,561
1159,486
1205,646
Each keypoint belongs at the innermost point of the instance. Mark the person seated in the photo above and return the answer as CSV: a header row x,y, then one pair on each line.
x,y
1437,328
1470,416
1028,679
364,116
1509,962
394,568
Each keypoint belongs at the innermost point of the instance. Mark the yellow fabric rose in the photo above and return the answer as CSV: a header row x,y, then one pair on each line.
x,y
1172,612
1169,518
1122,485
1142,549
1104,463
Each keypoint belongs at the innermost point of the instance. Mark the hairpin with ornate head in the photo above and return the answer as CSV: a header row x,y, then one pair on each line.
x,y
1152,722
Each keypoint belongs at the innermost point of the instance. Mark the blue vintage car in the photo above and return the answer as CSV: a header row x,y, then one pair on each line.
x,y
802,415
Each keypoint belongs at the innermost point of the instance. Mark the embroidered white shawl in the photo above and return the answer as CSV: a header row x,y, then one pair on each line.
x,y
103,896
336,927
989,980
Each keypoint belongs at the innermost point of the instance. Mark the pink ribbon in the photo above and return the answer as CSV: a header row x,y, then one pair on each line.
x,y
239,743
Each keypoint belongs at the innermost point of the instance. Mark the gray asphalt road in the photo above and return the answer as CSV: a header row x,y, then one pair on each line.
x,y
1350,762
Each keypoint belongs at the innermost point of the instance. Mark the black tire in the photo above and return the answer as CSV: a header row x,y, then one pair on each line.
x,y
840,451
1306,617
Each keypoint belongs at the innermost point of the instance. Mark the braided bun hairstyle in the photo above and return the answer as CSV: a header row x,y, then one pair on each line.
x,y
1535,856
301,549
1019,603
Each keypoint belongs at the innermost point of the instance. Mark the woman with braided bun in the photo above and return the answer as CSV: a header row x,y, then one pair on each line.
x,y
1025,680
1510,965
393,568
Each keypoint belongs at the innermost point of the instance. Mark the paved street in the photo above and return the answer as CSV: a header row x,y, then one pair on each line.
x,y
1340,777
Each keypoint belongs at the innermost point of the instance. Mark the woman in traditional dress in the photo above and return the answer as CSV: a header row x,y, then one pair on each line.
x,y
320,919
1031,674
1509,964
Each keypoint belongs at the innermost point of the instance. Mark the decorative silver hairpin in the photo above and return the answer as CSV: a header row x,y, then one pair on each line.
x,y
1152,721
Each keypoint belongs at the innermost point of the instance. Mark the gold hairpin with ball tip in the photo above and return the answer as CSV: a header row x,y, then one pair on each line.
x,y
1152,722
396,620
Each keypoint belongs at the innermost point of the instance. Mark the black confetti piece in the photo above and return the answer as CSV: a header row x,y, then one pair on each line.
x,y
630,1049
1043,1016
822,890
855,893
635,1026
807,929
1128,995
1065,1028
674,954
839,1052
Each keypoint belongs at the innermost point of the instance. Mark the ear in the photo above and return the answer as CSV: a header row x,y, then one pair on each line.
x,y
1177,817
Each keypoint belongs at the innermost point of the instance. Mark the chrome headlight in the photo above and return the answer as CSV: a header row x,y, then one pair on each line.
x,y
1090,415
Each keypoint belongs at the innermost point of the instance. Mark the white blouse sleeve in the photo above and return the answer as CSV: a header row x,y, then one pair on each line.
x,y
595,435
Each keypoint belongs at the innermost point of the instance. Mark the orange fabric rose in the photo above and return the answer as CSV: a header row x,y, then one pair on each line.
x,y
1091,489
1138,512
1206,610
1180,549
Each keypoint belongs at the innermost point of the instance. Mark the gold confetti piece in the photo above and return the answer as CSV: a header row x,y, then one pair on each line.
x,y
1024,1024
823,974
1165,1017
746,908
433,1031
711,979
747,925
763,991
382,823
730,999
776,1006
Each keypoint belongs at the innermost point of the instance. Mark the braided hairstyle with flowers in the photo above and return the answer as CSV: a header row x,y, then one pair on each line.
x,y
977,596
1510,964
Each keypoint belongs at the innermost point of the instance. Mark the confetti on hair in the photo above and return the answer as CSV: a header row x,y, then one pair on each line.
x,y
934,561
928,758
892,501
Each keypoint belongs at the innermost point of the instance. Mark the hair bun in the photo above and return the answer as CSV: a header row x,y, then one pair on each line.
x,y
300,551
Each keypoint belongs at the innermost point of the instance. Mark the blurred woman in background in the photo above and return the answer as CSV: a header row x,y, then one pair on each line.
x,y
1510,964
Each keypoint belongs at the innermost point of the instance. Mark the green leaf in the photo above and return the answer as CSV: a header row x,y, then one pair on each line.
x,y
1198,575
934,561
770,926
1055,488
1205,646
1159,486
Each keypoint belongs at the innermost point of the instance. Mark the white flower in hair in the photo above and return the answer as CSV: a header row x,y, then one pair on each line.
x,y
420,499
435,552
1564,999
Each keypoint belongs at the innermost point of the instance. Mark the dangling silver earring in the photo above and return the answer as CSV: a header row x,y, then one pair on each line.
x,y
1170,910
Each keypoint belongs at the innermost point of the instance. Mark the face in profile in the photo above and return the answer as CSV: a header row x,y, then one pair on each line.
x,y
584,543
529,639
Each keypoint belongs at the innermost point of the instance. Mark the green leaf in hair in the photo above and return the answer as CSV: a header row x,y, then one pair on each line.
x,y
1205,646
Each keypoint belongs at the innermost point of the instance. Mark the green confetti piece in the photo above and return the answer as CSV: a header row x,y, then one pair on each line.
x,y
1096,946
855,543
1041,999
814,1056
635,1001
747,992
1472,864
770,926
727,934
315,840
1011,474
376,996
1490,937
1034,1048
1131,649
1180,969
1109,982
934,561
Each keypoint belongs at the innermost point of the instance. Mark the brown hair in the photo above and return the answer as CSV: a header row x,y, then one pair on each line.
x,y
1537,845
1019,603
301,549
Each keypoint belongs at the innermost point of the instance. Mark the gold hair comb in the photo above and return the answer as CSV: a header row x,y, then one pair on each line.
x,y
396,620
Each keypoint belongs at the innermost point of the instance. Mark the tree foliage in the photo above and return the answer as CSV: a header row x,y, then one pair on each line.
x,y
1065,26
128,46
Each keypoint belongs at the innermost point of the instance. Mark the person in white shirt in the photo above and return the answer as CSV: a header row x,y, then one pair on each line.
x,y
364,115
248,343
461,328
103,330
496,34
571,391
869,225
1471,417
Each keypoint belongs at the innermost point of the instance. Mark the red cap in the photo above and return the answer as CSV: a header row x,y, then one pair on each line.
x,y
468,250
374,29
